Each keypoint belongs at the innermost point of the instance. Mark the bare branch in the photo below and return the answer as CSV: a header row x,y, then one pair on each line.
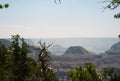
x,y
58,1
55,1
106,1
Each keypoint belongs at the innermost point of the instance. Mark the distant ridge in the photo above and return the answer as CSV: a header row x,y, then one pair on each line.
x,y
76,50
97,45
5,42
28,41
57,49
115,49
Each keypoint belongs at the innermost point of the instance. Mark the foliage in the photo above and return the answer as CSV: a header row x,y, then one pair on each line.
x,y
4,6
110,75
119,36
20,61
88,73
3,62
113,4
15,65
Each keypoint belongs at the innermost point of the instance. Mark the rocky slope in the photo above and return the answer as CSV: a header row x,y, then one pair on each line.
x,y
115,49
76,50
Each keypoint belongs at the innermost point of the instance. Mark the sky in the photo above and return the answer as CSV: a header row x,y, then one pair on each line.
x,y
45,19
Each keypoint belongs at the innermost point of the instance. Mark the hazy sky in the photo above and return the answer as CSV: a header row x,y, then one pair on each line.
x,y
45,19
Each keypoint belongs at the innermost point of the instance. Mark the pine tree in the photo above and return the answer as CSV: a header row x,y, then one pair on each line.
x,y
3,62
20,61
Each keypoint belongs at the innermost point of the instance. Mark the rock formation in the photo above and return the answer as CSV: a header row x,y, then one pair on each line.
x,y
76,50
115,49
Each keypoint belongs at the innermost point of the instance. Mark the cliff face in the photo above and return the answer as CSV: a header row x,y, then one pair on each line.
x,y
76,50
115,49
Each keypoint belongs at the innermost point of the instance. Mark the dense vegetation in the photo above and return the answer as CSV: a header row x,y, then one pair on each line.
x,y
15,65
89,73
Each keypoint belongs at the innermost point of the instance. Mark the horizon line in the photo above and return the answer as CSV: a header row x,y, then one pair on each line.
x,y
56,37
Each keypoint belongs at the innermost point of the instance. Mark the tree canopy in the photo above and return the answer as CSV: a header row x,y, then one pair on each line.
x,y
89,73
